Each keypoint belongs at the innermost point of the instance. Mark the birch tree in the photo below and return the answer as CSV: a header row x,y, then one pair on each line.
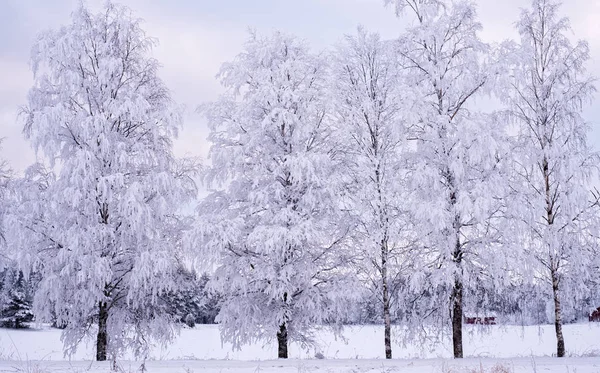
x,y
455,168
6,178
98,217
553,206
368,98
274,224
6,188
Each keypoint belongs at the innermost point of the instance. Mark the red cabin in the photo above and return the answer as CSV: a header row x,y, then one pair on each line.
x,y
490,320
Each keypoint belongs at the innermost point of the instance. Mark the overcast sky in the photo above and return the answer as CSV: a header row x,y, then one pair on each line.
x,y
196,36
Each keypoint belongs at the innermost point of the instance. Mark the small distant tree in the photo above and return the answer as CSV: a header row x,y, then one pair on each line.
x,y
99,219
15,307
16,299
553,207
210,304
192,302
274,225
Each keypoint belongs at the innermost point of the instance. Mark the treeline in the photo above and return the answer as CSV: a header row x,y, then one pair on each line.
x,y
192,304
197,305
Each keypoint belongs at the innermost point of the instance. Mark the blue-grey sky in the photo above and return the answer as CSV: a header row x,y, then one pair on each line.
x,y
196,36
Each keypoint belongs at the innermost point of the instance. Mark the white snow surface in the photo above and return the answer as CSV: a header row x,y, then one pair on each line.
x,y
493,349
467,365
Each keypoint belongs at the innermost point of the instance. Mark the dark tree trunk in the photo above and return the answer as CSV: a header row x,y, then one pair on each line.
x,y
457,290
560,340
386,302
457,316
102,338
282,342
554,265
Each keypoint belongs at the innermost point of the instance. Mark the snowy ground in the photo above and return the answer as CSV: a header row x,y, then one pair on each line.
x,y
495,349
468,365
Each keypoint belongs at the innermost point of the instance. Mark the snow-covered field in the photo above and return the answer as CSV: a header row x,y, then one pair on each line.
x,y
468,365
495,349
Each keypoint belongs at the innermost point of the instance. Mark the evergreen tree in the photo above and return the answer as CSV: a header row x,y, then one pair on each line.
x,y
16,297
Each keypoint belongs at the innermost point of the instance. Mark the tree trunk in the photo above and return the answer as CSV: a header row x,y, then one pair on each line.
x,y
102,338
457,316
457,290
386,303
554,265
282,342
560,341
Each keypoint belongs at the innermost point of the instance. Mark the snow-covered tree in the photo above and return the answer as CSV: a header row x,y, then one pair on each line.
x,y
16,298
454,176
6,177
15,301
367,99
274,225
552,205
192,302
10,289
100,224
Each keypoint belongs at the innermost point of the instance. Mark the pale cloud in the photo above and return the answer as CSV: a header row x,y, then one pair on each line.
x,y
196,37
12,94
191,55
